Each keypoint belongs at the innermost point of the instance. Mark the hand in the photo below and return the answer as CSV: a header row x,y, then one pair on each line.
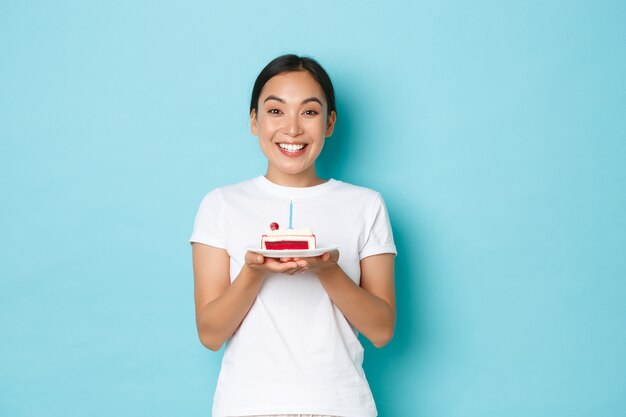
x,y
266,265
316,264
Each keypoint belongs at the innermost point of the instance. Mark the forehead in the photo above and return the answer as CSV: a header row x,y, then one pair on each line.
x,y
296,86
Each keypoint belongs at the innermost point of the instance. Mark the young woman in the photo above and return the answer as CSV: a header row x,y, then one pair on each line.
x,y
290,325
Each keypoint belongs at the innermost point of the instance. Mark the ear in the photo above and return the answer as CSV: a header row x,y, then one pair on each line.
x,y
330,123
254,126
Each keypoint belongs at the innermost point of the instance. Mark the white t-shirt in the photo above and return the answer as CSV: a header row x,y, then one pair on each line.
x,y
294,352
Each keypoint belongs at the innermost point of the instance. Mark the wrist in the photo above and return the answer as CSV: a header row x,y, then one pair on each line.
x,y
253,273
329,272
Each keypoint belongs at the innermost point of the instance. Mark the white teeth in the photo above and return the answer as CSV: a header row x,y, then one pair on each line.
x,y
291,147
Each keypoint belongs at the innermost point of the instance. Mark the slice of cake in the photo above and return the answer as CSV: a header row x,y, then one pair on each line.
x,y
287,239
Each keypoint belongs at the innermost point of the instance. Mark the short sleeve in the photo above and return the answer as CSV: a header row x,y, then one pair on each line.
x,y
207,228
378,231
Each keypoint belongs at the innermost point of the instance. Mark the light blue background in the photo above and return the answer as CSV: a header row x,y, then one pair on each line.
x,y
496,132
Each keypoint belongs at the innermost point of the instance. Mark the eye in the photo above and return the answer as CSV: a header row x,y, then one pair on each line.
x,y
274,111
310,112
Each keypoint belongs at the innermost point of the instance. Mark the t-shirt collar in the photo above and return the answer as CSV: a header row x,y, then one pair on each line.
x,y
294,192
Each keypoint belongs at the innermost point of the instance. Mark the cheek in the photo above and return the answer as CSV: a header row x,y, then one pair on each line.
x,y
320,129
314,124
268,125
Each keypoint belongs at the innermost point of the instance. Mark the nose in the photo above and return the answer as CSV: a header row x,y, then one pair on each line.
x,y
292,126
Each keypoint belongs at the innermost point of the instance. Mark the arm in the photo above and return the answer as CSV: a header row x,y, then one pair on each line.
x,y
220,305
370,307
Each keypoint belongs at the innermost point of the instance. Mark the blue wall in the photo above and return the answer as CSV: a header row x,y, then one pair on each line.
x,y
496,132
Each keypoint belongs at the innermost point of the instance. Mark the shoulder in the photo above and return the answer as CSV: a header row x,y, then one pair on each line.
x,y
357,191
231,190
220,199
238,187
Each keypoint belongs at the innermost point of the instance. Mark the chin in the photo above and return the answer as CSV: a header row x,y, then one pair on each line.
x,y
293,171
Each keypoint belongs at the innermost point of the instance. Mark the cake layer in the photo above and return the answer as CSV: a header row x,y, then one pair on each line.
x,y
287,245
287,242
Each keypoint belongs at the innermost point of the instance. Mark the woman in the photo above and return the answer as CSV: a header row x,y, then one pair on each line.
x,y
291,324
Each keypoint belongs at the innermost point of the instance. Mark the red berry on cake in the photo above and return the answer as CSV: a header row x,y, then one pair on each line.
x,y
273,226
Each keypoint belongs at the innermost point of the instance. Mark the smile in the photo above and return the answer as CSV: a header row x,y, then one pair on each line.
x,y
292,148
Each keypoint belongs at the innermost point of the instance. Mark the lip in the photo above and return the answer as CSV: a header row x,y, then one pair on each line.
x,y
292,154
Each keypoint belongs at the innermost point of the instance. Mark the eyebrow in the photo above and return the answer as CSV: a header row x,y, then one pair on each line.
x,y
308,100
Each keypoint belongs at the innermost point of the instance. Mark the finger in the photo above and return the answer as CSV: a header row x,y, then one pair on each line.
x,y
253,258
299,269
285,267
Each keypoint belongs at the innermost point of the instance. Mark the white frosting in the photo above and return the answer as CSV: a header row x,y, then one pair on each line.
x,y
289,232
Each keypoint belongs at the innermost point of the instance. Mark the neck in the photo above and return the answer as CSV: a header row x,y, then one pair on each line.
x,y
300,180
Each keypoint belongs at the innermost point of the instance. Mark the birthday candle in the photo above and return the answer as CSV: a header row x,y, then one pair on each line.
x,y
290,213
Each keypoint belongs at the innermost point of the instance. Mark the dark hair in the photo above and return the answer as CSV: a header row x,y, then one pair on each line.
x,y
290,63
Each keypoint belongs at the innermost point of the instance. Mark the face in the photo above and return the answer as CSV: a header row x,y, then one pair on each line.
x,y
292,124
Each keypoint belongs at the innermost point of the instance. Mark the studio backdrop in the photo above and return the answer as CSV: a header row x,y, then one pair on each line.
x,y
495,131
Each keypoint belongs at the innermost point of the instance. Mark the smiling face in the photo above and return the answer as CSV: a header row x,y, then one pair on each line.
x,y
292,124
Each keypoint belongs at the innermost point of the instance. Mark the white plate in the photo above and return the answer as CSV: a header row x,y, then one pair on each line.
x,y
297,253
